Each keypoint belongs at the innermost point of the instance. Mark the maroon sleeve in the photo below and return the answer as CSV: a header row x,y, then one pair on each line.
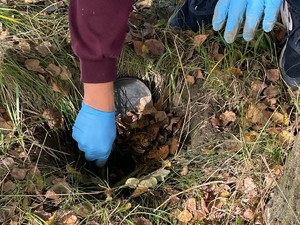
x,y
98,30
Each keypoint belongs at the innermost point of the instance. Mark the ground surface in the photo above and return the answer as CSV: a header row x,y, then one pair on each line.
x,y
208,152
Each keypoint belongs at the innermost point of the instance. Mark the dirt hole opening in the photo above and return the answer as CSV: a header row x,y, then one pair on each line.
x,y
143,142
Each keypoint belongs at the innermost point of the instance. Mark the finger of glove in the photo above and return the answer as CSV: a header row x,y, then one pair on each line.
x,y
93,154
254,13
235,18
220,14
272,8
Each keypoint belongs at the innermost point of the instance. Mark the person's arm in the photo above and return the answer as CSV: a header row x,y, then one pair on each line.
x,y
98,30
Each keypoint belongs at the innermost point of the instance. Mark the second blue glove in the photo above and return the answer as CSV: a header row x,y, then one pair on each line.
x,y
95,133
253,10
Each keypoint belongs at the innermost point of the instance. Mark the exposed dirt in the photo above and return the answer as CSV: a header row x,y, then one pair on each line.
x,y
201,107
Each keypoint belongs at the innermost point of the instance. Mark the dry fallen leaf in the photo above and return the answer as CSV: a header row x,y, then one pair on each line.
x,y
18,173
249,185
12,222
24,46
215,122
269,182
160,174
44,48
257,86
54,118
200,75
200,39
160,116
271,91
191,205
142,221
184,171
7,162
69,219
257,115
156,47
128,38
144,3
139,191
224,194
274,131
5,126
199,215
140,140
51,195
219,203
173,121
185,216
214,52
174,146
8,187
251,136
65,74
153,130
159,154
236,71
278,118
61,188
53,69
55,87
227,117
248,214
51,219
285,137
232,145
203,206
190,79
148,182
286,119
132,182
161,103
273,75
32,1
270,102
173,201
34,65
138,48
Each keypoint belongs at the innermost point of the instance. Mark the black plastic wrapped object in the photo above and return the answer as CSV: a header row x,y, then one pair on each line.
x,y
130,94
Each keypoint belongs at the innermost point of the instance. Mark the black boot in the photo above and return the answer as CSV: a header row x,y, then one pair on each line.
x,y
193,13
290,56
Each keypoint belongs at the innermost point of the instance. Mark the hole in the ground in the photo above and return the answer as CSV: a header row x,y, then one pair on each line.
x,y
142,142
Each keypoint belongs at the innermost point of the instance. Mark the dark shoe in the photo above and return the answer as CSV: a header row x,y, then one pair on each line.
x,y
289,62
193,13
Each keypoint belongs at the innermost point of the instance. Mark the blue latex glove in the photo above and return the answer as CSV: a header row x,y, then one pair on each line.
x,y
235,10
95,132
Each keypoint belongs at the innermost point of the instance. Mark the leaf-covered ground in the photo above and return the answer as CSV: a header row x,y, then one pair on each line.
x,y
209,151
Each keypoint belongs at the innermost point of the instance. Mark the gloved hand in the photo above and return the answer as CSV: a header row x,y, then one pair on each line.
x,y
95,132
235,10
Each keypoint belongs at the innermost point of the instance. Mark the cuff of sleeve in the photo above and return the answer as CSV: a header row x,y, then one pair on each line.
x,y
102,71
